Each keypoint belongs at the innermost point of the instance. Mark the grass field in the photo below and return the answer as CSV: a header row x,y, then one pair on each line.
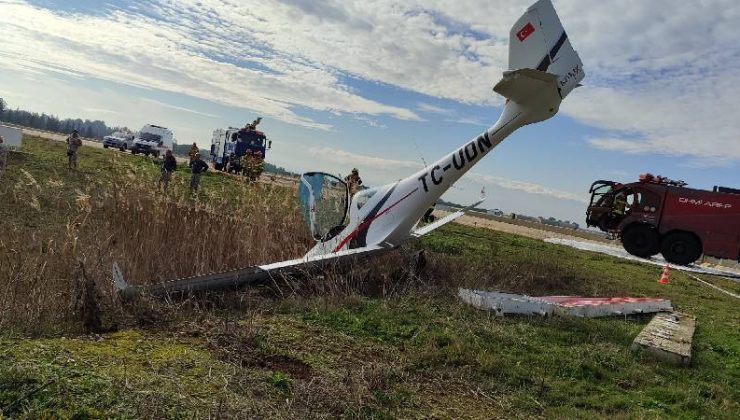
x,y
378,341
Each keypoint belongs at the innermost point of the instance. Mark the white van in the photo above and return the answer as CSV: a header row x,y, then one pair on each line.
x,y
12,137
152,140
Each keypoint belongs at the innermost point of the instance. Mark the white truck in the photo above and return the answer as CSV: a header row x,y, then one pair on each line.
x,y
152,140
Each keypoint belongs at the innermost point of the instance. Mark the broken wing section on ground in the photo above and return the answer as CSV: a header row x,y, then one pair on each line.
x,y
235,279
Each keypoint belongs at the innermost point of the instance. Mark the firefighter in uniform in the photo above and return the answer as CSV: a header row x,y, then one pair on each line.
x,y
169,165
191,153
620,204
247,163
258,165
353,181
235,164
199,167
254,124
73,144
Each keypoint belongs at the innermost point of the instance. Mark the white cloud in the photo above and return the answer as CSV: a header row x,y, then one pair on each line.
x,y
449,115
178,108
387,170
179,55
425,107
527,187
347,159
661,78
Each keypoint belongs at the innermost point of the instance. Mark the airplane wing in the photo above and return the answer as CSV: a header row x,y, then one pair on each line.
x,y
234,279
418,233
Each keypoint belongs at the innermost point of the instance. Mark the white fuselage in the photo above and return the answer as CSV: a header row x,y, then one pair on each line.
x,y
543,69
390,214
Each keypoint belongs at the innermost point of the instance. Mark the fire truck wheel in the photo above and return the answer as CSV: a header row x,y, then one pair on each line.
x,y
641,241
680,248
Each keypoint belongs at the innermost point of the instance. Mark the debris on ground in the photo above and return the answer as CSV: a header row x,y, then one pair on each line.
x,y
573,306
668,337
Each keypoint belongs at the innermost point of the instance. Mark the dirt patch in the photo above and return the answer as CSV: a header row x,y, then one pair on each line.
x,y
246,349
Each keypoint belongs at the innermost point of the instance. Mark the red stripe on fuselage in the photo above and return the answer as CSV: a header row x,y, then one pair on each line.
x,y
366,223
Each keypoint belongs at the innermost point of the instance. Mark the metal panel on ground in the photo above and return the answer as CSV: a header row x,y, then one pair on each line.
x,y
575,306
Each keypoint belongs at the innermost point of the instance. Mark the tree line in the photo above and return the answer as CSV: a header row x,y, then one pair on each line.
x,y
91,129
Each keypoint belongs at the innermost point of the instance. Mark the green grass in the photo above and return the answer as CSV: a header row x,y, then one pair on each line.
x,y
416,354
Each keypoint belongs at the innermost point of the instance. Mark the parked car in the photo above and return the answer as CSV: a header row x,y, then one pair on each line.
x,y
111,141
118,140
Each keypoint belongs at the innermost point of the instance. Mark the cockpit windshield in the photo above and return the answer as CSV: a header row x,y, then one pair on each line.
x,y
324,201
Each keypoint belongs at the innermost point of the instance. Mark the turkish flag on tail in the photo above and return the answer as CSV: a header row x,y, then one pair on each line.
x,y
526,31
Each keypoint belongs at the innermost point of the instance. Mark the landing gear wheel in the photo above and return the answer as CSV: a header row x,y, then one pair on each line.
x,y
680,248
641,241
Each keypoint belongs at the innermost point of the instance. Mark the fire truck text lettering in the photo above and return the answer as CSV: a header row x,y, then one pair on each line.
x,y
713,204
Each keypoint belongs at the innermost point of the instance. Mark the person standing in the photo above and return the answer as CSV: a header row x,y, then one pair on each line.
x,y
73,145
353,181
198,168
258,166
169,165
3,156
193,151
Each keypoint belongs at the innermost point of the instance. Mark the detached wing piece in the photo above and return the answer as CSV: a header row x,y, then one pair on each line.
x,y
235,279
418,233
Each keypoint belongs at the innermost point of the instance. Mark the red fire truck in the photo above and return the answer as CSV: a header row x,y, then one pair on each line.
x,y
660,215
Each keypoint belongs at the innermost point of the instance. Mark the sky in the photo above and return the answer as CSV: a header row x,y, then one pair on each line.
x,y
389,84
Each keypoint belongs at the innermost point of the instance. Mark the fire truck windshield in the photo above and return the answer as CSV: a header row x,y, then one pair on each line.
x,y
252,138
598,191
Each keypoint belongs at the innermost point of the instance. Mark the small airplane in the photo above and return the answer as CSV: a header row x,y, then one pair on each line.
x,y
543,69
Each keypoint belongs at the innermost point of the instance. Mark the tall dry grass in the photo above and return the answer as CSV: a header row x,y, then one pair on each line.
x,y
56,277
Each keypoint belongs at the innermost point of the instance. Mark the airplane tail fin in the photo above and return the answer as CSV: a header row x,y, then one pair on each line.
x,y
538,41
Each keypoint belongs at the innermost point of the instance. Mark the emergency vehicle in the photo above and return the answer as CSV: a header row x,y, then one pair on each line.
x,y
152,140
236,142
659,215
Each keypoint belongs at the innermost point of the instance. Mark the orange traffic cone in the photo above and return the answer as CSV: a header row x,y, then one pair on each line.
x,y
664,276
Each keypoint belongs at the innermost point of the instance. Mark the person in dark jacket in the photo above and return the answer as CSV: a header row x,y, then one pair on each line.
x,y
169,165
199,168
